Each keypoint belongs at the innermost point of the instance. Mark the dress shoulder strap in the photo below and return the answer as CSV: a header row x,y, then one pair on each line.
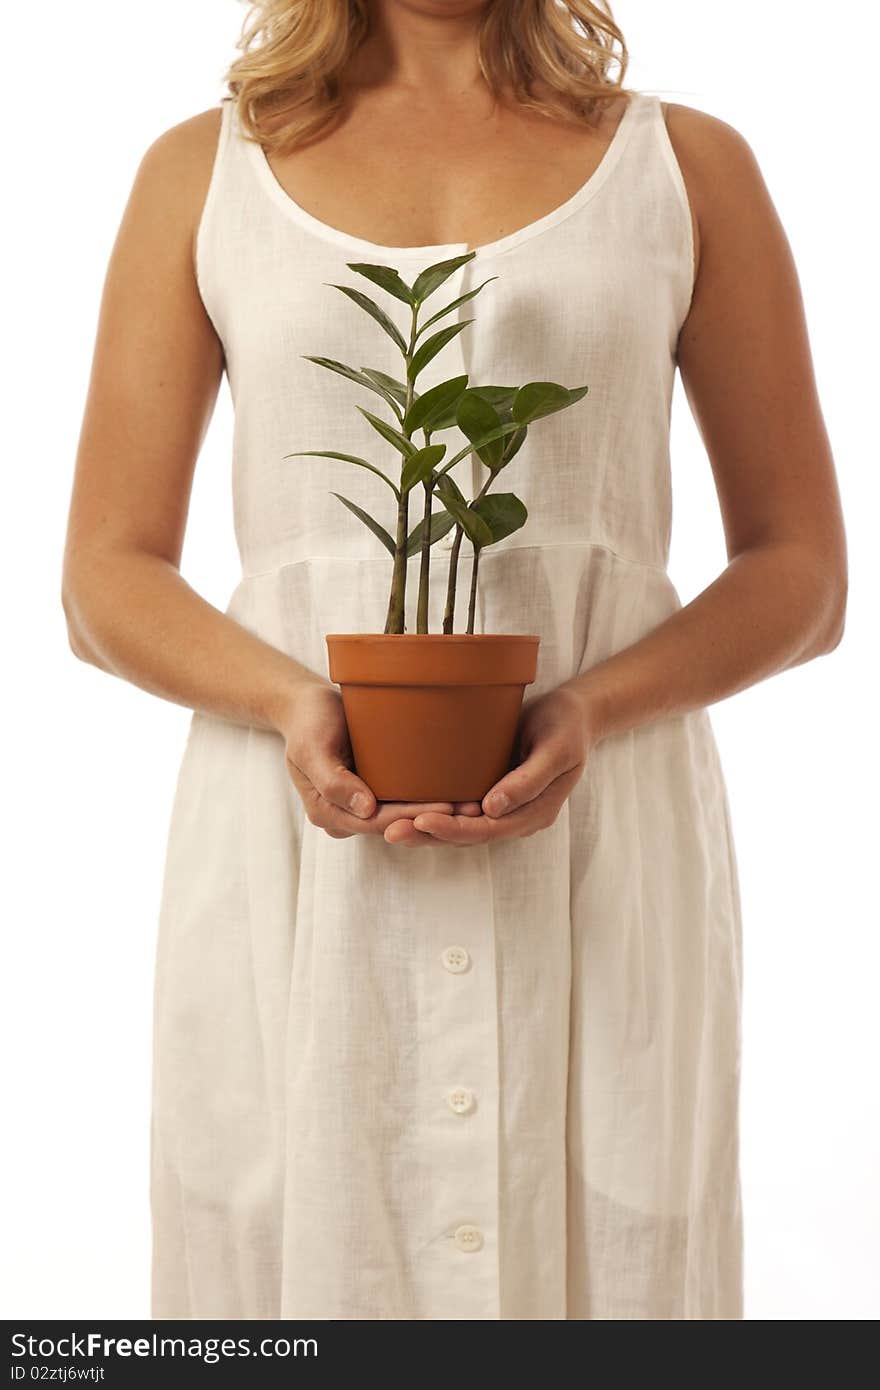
x,y
220,187
658,165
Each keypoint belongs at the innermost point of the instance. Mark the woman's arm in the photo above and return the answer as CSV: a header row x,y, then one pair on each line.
x,y
155,375
156,371
746,366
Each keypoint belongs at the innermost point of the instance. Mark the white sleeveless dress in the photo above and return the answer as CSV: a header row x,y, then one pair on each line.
x,y
452,1083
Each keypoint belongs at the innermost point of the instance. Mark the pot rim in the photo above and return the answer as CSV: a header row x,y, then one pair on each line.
x,y
445,637
432,658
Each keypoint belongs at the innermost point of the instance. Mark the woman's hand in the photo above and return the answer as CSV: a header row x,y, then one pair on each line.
x,y
555,736
318,753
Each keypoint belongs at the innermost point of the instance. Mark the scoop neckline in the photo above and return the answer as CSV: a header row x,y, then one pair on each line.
x,y
297,213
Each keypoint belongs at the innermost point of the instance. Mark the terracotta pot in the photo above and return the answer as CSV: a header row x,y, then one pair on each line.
x,y
432,716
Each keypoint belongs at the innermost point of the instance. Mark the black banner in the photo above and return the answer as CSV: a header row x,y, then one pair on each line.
x,y
111,1352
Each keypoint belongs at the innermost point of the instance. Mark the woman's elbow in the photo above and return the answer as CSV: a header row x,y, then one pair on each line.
x,y
835,624
74,606
837,632
75,637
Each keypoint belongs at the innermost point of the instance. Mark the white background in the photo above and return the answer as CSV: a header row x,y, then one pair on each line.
x,y
90,762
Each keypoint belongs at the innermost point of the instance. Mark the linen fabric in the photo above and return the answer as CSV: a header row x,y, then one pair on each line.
x,y
494,1082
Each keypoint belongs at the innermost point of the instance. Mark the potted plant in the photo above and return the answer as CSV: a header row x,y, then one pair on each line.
x,y
433,716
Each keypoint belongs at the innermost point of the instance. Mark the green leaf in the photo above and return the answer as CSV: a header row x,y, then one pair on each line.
x,y
434,276
434,403
346,458
502,512
473,525
539,398
384,276
475,418
502,397
514,444
509,427
441,522
420,465
446,421
431,346
401,443
448,487
369,521
394,388
462,299
361,377
371,308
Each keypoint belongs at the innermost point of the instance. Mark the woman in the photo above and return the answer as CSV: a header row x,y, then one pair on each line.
x,y
497,1079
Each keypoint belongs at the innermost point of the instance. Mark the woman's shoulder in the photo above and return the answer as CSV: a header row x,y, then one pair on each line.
x,y
703,139
186,149
174,174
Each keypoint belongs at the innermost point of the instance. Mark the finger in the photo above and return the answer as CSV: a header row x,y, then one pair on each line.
x,y
409,809
386,814
337,784
549,758
402,832
477,830
456,830
534,815
398,829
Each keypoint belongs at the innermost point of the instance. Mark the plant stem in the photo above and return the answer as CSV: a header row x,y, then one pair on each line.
x,y
395,620
424,567
449,612
472,604
483,490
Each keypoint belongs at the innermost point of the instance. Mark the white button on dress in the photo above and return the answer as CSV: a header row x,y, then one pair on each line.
x,y
461,1100
456,959
314,1003
469,1239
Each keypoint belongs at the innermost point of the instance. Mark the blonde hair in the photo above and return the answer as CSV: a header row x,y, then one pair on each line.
x,y
553,56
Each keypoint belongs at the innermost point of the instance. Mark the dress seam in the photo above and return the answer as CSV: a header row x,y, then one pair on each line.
x,y
540,545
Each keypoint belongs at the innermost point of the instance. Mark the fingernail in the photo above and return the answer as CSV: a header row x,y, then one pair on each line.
x,y
360,804
499,803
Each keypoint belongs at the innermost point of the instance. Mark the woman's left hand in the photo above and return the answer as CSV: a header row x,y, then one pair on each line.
x,y
554,739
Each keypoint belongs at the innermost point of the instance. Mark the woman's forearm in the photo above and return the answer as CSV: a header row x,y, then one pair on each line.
x,y
133,615
773,607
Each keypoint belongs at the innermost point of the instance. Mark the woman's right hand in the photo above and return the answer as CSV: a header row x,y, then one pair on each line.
x,y
319,759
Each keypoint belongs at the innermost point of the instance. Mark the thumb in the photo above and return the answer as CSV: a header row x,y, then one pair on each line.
x,y
336,782
523,783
